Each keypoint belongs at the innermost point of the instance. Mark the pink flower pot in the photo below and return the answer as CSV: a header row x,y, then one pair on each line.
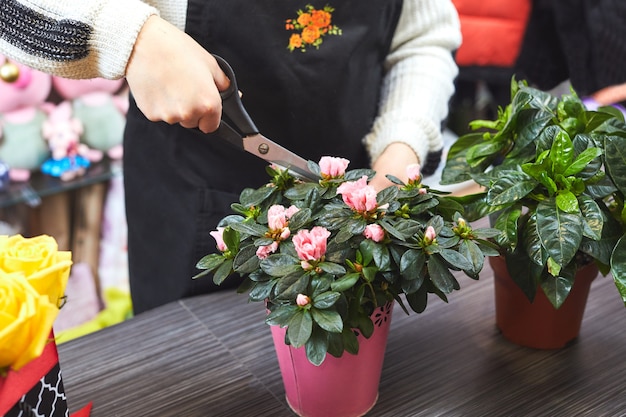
x,y
339,387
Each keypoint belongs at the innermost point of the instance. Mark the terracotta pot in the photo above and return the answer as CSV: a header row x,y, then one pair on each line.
x,y
339,387
538,324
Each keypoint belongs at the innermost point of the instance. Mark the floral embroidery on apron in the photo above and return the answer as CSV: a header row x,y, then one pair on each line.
x,y
311,26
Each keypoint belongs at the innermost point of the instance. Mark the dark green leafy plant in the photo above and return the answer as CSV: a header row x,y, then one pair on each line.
x,y
324,255
555,179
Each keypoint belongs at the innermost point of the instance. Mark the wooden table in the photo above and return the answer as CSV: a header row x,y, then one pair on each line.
x,y
212,356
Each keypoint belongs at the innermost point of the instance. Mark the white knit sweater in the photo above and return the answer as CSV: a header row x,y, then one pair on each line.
x,y
94,38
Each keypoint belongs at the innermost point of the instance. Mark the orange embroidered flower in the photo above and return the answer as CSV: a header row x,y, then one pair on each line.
x,y
312,25
320,18
310,34
295,41
305,19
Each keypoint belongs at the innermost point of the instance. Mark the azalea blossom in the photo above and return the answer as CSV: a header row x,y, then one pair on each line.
x,y
413,172
264,251
218,236
311,244
278,216
374,232
358,195
332,167
303,300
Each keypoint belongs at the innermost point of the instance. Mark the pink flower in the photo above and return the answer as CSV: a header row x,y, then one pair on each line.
x,y
263,252
374,232
422,191
217,235
413,172
311,245
303,300
332,167
358,195
430,235
277,216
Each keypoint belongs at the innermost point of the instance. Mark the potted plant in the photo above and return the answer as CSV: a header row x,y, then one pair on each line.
x,y
554,175
329,257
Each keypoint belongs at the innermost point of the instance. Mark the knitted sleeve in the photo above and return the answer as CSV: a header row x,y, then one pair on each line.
x,y
78,38
419,81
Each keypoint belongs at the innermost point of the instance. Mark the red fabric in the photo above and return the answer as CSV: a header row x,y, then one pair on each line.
x,y
15,384
492,31
83,412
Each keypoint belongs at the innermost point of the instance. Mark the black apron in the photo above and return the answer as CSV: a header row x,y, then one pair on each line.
x,y
323,101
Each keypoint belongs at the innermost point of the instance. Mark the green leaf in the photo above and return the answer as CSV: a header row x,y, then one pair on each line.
x,y
299,219
301,190
615,159
299,328
328,320
593,221
582,161
223,272
332,268
281,315
279,264
411,263
560,233
350,341
457,260
418,300
511,187
346,282
562,153
507,222
211,261
379,253
289,286
567,202
326,299
556,289
618,267
472,252
246,260
261,290
248,227
256,197
441,276
387,195
316,346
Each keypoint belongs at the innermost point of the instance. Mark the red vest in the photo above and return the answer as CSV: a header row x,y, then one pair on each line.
x,y
492,31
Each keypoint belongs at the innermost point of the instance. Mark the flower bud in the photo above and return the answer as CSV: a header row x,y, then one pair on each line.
x,y
430,235
217,235
303,300
413,172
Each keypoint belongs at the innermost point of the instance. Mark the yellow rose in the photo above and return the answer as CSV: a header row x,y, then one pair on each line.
x,y
38,258
26,319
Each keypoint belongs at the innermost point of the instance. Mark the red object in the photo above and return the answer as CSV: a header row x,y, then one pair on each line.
x,y
16,384
493,31
339,387
538,324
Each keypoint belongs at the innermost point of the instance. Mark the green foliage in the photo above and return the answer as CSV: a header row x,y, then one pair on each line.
x,y
423,240
555,178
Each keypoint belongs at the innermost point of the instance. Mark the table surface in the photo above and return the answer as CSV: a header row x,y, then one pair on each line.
x,y
213,356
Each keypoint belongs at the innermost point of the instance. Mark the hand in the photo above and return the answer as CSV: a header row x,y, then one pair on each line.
x,y
174,79
394,160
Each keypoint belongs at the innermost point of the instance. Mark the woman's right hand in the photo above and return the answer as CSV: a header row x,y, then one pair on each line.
x,y
173,79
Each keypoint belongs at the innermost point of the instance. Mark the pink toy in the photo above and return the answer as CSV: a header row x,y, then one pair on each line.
x,y
23,110
101,109
70,158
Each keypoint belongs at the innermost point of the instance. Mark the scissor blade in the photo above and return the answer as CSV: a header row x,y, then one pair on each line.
x,y
274,153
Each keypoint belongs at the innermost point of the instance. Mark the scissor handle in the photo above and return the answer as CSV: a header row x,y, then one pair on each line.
x,y
232,106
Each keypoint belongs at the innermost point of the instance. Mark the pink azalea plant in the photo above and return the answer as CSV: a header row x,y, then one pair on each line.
x,y
324,255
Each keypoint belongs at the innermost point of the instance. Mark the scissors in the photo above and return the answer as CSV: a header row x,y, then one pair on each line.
x,y
244,134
